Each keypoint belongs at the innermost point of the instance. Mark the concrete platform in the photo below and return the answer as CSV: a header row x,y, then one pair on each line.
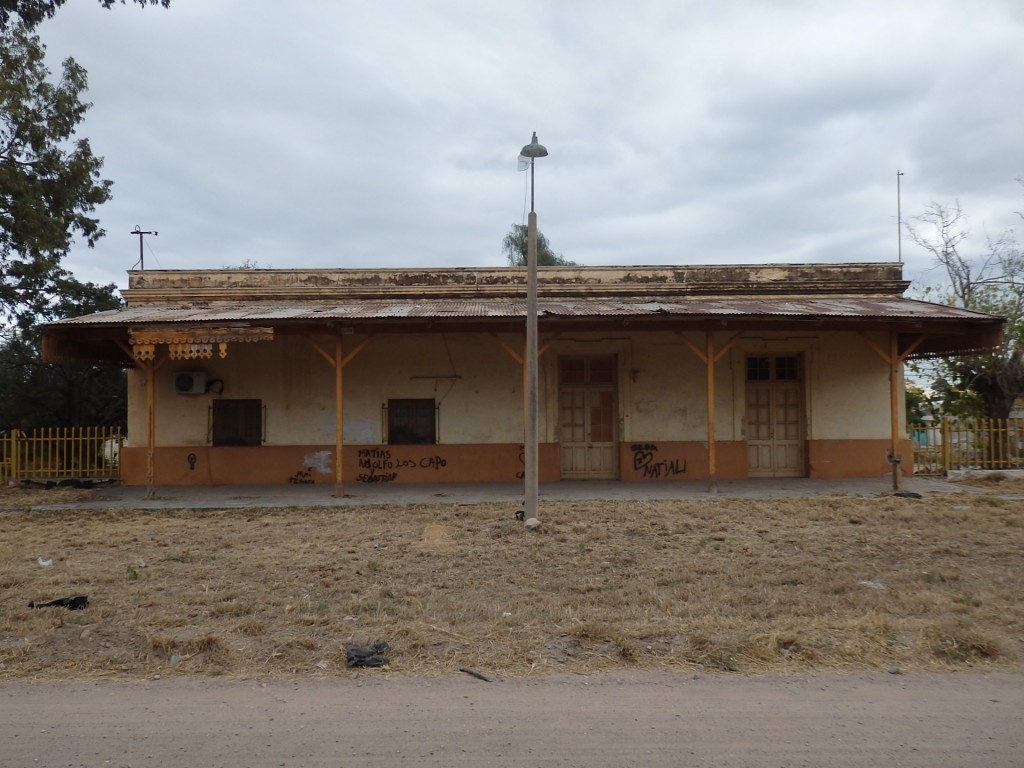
x,y
321,495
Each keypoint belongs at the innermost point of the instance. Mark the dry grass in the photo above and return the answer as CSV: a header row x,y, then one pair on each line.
x,y
996,481
747,585
28,495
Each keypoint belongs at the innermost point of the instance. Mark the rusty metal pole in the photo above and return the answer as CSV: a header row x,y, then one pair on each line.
x,y
531,473
899,219
138,231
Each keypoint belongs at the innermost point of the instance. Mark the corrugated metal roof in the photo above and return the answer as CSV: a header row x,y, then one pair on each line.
x,y
781,306
864,307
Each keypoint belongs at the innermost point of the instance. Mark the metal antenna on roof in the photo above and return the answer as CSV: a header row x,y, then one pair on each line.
x,y
899,219
138,231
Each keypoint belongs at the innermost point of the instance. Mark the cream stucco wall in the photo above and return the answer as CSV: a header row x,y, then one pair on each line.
x,y
478,385
669,389
476,382
850,389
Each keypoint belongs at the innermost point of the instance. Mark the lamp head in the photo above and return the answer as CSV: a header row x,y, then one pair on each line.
x,y
533,149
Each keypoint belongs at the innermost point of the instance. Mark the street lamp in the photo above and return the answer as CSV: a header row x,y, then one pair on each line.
x,y
532,151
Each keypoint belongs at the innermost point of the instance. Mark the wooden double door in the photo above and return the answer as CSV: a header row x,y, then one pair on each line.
x,y
588,417
776,436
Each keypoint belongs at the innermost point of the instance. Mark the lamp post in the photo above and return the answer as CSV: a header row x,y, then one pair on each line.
x,y
532,150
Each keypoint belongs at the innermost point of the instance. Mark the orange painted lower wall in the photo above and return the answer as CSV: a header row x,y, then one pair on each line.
x,y
501,463
370,464
681,461
855,458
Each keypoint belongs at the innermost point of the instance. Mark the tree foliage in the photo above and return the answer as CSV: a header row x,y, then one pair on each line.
x,y
49,187
38,394
919,405
32,12
515,244
991,281
49,181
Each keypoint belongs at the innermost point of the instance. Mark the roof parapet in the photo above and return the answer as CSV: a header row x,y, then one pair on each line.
x,y
177,286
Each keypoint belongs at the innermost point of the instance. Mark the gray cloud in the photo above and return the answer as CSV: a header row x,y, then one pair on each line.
x,y
385,134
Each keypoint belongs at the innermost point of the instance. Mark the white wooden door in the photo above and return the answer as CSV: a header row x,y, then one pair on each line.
x,y
587,418
774,418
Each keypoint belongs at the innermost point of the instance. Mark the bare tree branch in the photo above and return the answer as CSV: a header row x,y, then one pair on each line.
x,y
991,281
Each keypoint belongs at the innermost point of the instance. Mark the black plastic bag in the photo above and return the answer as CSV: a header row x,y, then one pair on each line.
x,y
72,603
367,656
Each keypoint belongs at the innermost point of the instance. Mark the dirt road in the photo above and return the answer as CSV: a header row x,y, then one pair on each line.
x,y
956,719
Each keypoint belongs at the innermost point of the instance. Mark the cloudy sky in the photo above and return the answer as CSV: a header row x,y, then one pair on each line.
x,y
332,133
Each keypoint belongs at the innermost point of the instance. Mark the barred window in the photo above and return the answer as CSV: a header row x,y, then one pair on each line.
x,y
237,422
412,421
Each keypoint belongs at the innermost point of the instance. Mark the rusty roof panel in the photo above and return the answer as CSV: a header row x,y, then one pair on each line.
x,y
881,307
832,306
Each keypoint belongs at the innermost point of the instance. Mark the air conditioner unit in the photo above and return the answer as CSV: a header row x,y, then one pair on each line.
x,y
190,383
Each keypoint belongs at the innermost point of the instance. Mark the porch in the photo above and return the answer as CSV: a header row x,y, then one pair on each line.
x,y
213,497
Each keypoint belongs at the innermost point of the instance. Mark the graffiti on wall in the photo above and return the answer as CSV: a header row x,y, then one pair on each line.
x,y
650,467
377,465
319,461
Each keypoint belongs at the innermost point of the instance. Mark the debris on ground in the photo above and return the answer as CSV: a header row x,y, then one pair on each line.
x,y
69,482
872,585
367,655
72,603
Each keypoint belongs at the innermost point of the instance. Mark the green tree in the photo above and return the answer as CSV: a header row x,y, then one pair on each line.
x,y
991,281
32,12
49,186
49,182
919,405
514,246
38,394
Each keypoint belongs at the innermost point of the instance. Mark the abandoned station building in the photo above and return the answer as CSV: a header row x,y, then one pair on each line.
x,y
247,376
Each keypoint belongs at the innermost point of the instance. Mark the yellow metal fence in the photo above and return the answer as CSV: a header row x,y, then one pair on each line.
x,y
982,444
61,453
94,452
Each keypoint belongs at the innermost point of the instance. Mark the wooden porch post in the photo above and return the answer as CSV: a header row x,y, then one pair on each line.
x,y
895,361
709,357
149,366
339,419
339,360
709,360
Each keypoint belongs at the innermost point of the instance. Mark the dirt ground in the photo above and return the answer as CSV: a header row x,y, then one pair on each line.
x,y
609,720
733,585
714,632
